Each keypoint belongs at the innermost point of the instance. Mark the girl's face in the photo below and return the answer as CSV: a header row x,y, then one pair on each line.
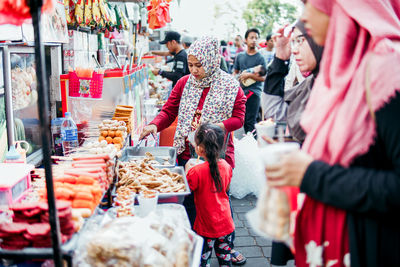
x,y
305,58
196,68
316,23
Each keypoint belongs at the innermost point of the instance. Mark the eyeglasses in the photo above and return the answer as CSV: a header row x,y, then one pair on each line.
x,y
297,41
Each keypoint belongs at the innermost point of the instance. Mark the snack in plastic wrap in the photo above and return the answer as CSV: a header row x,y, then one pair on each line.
x,y
71,13
66,8
144,242
88,12
79,11
96,11
275,213
23,83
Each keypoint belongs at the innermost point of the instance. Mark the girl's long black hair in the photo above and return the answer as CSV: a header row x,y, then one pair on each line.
x,y
212,137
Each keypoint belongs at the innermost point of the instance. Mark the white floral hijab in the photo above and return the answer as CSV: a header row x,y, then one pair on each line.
x,y
219,102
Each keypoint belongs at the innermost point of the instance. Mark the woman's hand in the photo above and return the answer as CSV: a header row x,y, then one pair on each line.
x,y
282,45
268,139
155,71
289,171
149,129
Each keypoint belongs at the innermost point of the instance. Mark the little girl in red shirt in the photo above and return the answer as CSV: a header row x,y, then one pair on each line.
x,y
210,182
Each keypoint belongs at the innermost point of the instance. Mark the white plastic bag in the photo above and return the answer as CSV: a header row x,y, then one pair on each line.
x,y
248,175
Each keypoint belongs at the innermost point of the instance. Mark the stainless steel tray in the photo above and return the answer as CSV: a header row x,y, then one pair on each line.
x,y
160,153
171,197
174,197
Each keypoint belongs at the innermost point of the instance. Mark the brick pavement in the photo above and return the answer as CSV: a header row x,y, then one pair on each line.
x,y
257,249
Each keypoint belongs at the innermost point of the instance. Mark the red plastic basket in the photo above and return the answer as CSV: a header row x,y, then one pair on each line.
x,y
86,87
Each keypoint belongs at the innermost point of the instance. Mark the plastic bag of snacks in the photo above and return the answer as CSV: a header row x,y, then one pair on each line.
x,y
147,241
275,213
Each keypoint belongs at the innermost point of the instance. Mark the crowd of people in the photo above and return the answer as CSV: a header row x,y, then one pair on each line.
x,y
333,79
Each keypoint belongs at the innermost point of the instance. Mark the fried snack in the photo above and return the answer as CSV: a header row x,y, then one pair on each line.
x,y
139,176
124,113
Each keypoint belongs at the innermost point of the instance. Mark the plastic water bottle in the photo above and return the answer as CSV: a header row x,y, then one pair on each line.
x,y
69,134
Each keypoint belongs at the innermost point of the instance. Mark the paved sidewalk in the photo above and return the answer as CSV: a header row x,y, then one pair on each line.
x,y
257,249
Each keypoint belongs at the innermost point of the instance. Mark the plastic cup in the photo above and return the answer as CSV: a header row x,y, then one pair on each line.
x,y
272,153
191,138
264,130
147,202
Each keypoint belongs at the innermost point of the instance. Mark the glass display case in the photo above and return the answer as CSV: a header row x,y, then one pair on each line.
x,y
21,98
24,99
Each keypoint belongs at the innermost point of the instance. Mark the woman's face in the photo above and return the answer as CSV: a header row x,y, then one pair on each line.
x,y
316,23
196,68
305,58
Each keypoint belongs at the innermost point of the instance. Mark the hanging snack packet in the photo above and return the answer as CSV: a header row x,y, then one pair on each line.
x,y
71,15
66,9
104,11
96,11
79,11
88,12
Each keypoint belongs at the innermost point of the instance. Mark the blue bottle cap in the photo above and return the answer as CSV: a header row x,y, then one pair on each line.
x,y
12,154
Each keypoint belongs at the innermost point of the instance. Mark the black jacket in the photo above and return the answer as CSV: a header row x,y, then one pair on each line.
x,y
275,81
369,190
179,69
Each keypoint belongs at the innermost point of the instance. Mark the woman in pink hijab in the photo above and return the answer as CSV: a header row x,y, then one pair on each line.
x,y
349,166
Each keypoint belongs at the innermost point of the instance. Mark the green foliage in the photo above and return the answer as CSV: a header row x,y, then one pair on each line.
x,y
267,14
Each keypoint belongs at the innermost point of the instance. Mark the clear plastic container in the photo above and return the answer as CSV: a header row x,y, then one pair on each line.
x,y
69,134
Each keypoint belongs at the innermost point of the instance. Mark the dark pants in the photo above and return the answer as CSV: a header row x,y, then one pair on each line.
x,y
252,107
280,254
222,248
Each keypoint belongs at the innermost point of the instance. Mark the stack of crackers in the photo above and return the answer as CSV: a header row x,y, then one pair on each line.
x,y
124,113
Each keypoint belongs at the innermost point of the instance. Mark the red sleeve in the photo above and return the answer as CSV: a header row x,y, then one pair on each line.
x,y
192,179
239,110
169,111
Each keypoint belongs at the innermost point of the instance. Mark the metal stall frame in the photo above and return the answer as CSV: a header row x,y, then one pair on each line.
x,y
44,118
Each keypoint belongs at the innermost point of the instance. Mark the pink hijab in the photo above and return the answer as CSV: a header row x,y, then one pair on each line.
x,y
363,37
337,118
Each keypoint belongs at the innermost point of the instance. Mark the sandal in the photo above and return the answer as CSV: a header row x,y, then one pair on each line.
x,y
235,261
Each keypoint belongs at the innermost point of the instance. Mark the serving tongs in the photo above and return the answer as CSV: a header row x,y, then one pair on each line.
x,y
137,146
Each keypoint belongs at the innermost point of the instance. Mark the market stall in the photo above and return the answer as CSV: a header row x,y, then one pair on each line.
x,y
83,178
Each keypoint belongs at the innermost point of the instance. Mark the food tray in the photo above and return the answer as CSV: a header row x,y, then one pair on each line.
x,y
170,197
174,197
159,153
